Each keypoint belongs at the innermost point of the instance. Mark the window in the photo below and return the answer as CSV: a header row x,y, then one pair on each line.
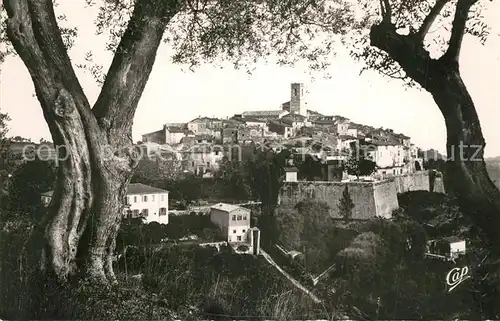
x,y
135,213
208,164
244,219
163,211
145,212
234,217
238,238
152,198
135,199
192,164
295,91
239,217
162,198
234,231
145,198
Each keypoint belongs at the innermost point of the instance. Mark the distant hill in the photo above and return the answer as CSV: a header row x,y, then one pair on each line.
x,y
492,164
493,167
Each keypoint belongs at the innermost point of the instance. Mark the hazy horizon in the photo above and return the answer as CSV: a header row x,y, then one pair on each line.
x,y
174,95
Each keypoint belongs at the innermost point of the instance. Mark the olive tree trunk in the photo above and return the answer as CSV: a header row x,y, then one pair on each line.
x,y
94,144
466,177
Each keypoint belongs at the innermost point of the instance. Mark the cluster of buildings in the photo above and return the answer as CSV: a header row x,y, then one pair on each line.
x,y
201,143
151,204
199,146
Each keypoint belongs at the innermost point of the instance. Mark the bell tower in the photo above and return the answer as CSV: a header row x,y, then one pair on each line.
x,y
298,103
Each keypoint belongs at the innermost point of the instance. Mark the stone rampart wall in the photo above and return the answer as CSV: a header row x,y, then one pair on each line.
x,y
370,198
418,181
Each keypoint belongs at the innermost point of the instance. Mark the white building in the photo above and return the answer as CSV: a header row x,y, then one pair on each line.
x,y
352,132
46,197
145,201
255,122
202,158
451,247
291,174
457,246
342,126
389,156
173,135
233,220
167,135
148,202
265,114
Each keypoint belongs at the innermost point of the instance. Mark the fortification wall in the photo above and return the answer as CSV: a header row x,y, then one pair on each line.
x,y
418,181
370,198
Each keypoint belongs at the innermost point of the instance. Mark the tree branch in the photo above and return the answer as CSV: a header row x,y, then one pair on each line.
x,y
386,11
412,57
430,18
458,30
131,67
32,29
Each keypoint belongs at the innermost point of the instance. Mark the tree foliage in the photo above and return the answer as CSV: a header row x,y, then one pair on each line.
x,y
266,173
430,21
346,205
156,169
308,226
384,275
359,165
235,180
241,32
27,183
290,224
5,165
310,168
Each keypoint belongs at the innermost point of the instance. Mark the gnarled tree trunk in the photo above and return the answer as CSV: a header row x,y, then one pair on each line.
x,y
96,162
467,177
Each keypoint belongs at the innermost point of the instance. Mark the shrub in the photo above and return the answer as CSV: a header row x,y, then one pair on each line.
x,y
242,248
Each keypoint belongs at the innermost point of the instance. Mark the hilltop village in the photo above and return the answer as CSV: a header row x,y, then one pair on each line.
x,y
371,164
201,143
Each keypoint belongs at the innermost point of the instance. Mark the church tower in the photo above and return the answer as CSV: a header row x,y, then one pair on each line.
x,y
298,103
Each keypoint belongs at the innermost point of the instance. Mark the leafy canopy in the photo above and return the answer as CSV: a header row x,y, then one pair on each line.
x,y
241,32
246,31
433,19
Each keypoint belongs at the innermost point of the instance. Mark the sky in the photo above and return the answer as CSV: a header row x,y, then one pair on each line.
x,y
175,95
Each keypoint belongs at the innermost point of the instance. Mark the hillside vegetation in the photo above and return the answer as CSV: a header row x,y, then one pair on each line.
x,y
381,271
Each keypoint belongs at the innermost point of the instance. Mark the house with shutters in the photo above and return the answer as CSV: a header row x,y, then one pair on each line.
x,y
144,201
233,220
148,202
